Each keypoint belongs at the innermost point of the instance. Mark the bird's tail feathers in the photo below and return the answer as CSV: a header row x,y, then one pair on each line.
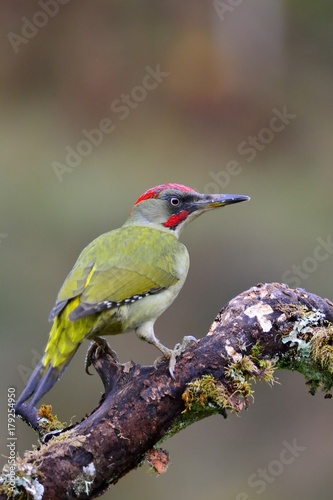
x,y
48,379
32,383
41,381
61,347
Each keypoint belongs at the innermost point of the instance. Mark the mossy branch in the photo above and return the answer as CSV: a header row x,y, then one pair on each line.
x,y
263,329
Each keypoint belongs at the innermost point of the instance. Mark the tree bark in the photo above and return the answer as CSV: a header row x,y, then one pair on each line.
x,y
265,328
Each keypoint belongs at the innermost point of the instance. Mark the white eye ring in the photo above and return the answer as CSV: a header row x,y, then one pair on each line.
x,y
174,202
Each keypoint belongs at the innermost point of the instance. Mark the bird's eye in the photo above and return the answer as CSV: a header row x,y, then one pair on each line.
x,y
174,201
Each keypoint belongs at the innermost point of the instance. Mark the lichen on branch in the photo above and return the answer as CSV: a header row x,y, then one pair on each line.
x,y
258,332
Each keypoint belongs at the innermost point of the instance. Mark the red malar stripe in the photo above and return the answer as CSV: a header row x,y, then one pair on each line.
x,y
176,219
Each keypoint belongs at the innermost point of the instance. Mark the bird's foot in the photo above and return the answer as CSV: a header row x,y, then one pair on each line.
x,y
178,350
94,348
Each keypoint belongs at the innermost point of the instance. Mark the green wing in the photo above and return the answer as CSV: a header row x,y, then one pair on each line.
x,y
119,266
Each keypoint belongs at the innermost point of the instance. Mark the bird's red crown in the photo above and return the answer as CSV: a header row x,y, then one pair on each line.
x,y
155,191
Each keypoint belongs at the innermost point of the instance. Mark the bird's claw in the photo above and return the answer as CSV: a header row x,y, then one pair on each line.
x,y
98,344
178,350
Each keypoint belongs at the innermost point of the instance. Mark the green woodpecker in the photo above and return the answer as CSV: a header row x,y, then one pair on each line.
x,y
124,280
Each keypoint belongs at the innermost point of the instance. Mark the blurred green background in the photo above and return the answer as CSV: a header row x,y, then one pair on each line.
x,y
227,71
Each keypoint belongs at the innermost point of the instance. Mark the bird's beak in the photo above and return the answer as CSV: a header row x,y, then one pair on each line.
x,y
210,201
